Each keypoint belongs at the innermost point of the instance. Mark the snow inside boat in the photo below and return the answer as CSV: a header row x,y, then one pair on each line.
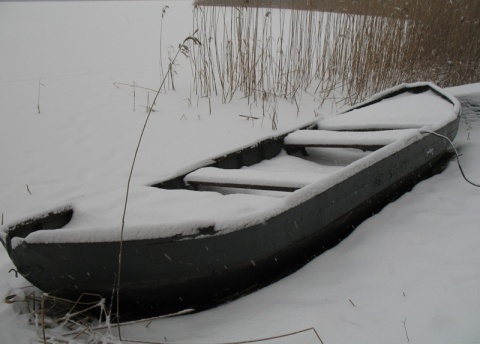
x,y
241,220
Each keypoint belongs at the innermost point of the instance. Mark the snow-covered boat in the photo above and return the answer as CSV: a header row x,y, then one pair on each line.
x,y
238,221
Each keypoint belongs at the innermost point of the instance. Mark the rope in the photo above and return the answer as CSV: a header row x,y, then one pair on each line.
x,y
457,155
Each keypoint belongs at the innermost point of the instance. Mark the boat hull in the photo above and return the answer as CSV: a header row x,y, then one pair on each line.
x,y
167,275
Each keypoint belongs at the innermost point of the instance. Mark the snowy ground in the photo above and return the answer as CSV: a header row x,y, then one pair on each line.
x,y
410,273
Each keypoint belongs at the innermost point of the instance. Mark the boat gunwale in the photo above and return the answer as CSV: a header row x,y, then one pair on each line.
x,y
297,198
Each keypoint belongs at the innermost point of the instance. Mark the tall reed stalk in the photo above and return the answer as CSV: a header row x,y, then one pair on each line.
x,y
363,47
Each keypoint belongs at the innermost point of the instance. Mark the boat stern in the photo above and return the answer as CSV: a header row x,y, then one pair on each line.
x,y
10,234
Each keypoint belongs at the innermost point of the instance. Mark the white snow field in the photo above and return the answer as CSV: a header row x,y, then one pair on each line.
x,y
408,274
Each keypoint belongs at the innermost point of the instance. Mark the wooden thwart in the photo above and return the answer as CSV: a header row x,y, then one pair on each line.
x,y
250,186
365,140
251,179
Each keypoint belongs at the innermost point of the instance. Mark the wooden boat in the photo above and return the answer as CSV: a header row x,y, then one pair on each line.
x,y
238,221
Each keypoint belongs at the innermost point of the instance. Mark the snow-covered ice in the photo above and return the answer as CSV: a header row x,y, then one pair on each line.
x,y
413,268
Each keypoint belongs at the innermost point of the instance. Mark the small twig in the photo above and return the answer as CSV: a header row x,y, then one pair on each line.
x,y
274,119
189,101
318,336
28,189
10,299
43,318
248,117
148,108
405,326
85,329
352,303
134,96
116,84
38,102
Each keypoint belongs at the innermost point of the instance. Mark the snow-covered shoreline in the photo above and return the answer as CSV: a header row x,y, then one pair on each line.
x,y
413,267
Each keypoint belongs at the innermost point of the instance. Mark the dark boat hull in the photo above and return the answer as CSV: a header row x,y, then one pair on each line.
x,y
166,275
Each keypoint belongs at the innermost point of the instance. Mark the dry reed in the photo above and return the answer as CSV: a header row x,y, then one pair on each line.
x,y
360,49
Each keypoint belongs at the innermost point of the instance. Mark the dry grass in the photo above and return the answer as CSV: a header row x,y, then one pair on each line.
x,y
63,321
266,52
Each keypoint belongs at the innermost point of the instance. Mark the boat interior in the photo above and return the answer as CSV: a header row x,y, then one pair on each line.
x,y
306,157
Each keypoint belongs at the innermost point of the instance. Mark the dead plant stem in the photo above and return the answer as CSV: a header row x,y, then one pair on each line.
x,y
405,327
127,194
38,101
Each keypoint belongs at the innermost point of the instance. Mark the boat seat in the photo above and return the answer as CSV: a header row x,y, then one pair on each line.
x,y
365,140
250,179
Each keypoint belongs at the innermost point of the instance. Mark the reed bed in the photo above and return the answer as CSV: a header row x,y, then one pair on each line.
x,y
358,48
